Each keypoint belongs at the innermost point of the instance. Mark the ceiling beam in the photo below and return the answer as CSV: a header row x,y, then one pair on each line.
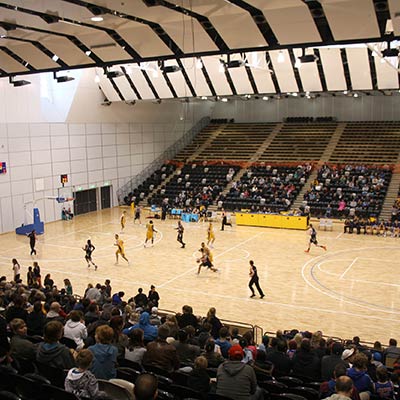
x,y
318,14
18,59
273,75
296,71
346,69
132,85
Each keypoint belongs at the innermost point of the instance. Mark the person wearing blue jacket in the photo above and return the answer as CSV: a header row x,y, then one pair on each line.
x,y
104,354
358,374
150,331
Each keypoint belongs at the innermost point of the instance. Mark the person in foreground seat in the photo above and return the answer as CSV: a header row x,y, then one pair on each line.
x,y
146,387
344,388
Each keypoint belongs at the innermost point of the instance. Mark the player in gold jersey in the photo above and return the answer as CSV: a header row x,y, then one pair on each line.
x,y
123,221
210,235
150,233
120,249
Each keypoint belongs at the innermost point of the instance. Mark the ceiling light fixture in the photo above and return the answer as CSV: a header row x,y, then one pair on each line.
x,y
97,18
113,74
88,52
221,68
62,79
389,52
20,83
281,57
55,58
307,58
224,100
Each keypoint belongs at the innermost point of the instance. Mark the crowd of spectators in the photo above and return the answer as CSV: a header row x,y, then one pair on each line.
x,y
348,191
90,337
372,226
267,188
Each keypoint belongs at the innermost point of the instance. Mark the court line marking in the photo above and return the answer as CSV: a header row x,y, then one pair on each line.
x,y
338,236
217,256
341,298
246,299
348,268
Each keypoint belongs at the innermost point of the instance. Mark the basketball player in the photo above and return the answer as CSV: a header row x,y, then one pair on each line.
x,y
123,221
254,280
89,249
210,235
32,242
206,259
150,233
225,220
180,230
137,215
313,239
120,249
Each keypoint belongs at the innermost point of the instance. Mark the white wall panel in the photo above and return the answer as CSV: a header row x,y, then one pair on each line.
x,y
41,170
386,73
108,140
240,80
77,141
218,79
109,162
59,142
18,130
20,173
94,152
58,129
78,166
93,140
78,153
178,81
196,77
40,143
19,144
309,75
123,150
124,161
125,88
61,168
18,159
333,69
160,85
360,73
284,72
60,155
77,129
7,216
96,175
95,164
5,189
39,130
109,151
260,71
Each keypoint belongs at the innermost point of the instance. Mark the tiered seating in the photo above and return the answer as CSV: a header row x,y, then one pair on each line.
x,y
149,184
349,191
266,188
236,142
195,185
198,141
299,142
368,142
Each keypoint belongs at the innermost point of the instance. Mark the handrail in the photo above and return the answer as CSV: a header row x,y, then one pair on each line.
x,y
168,154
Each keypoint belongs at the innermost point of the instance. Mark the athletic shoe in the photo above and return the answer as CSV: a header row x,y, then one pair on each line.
x,y
95,267
324,247
306,251
261,297
88,265
253,295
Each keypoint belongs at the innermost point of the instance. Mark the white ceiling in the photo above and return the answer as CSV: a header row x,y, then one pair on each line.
x,y
180,32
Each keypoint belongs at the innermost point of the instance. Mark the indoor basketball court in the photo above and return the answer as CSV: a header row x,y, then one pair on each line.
x,y
344,291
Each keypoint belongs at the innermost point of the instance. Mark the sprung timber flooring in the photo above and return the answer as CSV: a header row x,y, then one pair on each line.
x,y
351,289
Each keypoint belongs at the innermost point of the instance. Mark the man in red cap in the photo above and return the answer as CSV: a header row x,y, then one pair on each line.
x,y
235,379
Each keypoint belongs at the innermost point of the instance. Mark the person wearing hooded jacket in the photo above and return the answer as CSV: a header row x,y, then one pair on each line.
x,y
105,354
76,330
51,352
150,331
359,376
235,379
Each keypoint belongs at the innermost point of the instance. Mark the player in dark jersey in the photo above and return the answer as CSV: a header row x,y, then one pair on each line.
x,y
313,239
180,230
254,280
89,249
32,242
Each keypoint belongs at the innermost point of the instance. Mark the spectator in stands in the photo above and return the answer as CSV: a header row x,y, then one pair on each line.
x,y
20,346
344,389
154,318
117,298
146,387
198,378
348,356
305,362
93,293
55,313
80,381
223,341
292,348
213,357
186,352
235,379
358,374
278,357
104,353
17,309
136,348
212,319
187,317
92,314
161,354
153,296
36,320
383,388
48,281
392,352
140,299
51,352
329,362
75,329
150,331
120,340
172,323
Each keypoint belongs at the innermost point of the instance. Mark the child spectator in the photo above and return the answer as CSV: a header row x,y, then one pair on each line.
x,y
79,381
105,354
384,388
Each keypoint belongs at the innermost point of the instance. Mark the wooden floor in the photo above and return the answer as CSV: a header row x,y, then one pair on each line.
x,y
352,289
